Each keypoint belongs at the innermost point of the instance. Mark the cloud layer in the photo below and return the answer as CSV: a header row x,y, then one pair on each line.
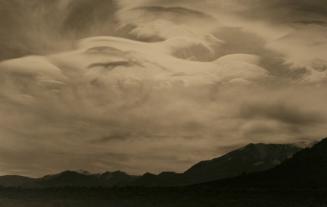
x,y
156,85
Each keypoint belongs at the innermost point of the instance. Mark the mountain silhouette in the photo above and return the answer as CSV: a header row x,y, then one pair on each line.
x,y
117,178
251,158
84,179
248,159
16,181
307,168
70,179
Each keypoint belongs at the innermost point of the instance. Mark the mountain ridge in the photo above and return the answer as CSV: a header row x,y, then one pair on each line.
x,y
250,158
307,168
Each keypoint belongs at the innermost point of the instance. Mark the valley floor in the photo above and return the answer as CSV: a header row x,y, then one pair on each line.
x,y
163,197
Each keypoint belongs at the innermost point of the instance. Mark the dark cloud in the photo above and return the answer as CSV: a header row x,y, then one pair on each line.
x,y
308,22
179,15
90,18
282,11
237,40
39,27
113,137
282,112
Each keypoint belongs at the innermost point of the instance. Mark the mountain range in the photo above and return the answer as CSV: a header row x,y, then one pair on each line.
x,y
307,168
248,159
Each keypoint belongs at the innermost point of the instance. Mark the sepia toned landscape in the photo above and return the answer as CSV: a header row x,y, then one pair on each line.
x,y
125,103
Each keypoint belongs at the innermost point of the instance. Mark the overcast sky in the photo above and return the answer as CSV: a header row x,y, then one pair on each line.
x,y
156,85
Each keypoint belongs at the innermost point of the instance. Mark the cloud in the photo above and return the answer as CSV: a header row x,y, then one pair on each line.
x,y
156,85
288,10
162,23
35,28
121,90
294,113
281,113
303,49
284,28
279,120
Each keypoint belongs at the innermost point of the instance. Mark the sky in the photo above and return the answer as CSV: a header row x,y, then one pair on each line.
x,y
156,85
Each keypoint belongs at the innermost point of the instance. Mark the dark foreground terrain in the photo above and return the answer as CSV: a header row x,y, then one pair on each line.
x,y
165,197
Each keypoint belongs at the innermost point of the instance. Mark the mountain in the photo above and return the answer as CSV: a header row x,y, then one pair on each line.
x,y
70,179
163,179
307,168
251,158
16,181
248,159
117,178
84,179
